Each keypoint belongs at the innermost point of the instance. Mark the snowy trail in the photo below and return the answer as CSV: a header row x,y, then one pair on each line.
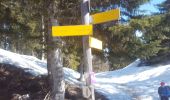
x,y
131,82
114,91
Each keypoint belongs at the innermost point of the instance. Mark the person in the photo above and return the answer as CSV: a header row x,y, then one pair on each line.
x,y
163,91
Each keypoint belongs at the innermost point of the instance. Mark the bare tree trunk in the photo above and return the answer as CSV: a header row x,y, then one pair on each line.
x,y
56,75
81,71
55,70
43,38
54,61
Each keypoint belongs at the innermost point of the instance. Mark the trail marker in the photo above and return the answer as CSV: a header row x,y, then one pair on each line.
x,y
105,16
95,43
76,30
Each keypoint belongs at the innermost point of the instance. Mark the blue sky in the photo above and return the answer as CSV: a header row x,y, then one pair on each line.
x,y
151,6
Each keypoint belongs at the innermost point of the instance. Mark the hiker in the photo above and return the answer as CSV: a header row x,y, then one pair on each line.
x,y
164,91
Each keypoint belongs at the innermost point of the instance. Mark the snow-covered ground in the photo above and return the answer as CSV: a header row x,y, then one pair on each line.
x,y
132,82
129,83
28,63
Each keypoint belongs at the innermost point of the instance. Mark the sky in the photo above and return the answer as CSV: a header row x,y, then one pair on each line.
x,y
130,83
151,6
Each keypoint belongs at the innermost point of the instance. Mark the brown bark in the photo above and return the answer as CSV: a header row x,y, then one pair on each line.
x,y
54,61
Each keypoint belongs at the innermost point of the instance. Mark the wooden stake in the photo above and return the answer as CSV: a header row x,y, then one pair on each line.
x,y
86,49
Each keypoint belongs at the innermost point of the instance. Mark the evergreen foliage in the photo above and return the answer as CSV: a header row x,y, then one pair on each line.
x,y
153,43
21,30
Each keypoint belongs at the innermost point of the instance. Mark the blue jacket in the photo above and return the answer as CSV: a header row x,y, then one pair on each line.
x,y
164,91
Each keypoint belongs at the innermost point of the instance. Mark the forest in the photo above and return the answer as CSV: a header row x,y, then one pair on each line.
x,y
24,30
134,39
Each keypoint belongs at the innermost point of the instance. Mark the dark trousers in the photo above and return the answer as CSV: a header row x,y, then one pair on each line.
x,y
164,98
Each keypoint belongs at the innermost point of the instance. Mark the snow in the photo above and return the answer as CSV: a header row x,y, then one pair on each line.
x,y
132,82
129,83
28,63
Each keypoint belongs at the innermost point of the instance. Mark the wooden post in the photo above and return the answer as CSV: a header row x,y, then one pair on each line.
x,y
86,49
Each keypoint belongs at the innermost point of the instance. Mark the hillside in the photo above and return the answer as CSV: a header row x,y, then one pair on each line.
x,y
25,78
130,83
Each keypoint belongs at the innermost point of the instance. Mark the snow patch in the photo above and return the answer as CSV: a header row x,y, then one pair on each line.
x,y
129,83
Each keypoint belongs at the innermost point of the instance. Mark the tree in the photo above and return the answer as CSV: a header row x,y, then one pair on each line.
x,y
165,6
15,29
116,42
30,13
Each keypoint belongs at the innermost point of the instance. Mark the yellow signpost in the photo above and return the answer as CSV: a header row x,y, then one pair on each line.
x,y
106,16
95,43
76,30
86,29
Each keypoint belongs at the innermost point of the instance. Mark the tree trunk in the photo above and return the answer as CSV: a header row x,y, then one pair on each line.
x,y
55,70
43,38
81,70
56,75
54,60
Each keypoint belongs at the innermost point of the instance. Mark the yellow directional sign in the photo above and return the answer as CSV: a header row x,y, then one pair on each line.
x,y
106,16
76,30
95,43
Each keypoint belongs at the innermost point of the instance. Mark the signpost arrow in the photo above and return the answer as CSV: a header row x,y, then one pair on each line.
x,y
106,16
76,30
95,43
